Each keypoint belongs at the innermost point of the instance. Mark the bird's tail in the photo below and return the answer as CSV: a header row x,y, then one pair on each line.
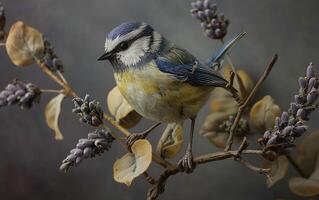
x,y
216,59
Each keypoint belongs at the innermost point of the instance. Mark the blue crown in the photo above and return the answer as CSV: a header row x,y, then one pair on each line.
x,y
123,29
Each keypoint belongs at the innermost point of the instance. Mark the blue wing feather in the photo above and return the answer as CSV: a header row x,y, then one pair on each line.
x,y
186,68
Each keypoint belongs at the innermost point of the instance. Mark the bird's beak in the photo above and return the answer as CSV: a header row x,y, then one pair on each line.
x,y
105,56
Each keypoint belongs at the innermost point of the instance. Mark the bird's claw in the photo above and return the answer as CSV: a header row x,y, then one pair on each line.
x,y
187,164
131,139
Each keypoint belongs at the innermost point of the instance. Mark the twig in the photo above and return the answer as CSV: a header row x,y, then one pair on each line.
x,y
61,76
149,178
293,162
247,101
51,91
159,185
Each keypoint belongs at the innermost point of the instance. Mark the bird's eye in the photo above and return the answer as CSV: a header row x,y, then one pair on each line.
x,y
123,46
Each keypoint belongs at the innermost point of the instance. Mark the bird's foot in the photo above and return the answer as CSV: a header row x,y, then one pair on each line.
x,y
187,164
133,137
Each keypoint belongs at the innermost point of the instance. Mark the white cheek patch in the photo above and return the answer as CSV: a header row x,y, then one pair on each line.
x,y
135,52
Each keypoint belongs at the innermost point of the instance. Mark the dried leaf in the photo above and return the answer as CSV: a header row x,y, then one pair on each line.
x,y
308,162
263,113
23,44
307,153
124,114
306,187
279,168
224,105
52,112
131,165
171,141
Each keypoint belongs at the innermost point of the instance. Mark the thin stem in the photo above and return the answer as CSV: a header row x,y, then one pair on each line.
x,y
296,166
61,76
233,69
51,91
242,107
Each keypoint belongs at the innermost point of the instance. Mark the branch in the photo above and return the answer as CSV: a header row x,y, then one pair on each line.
x,y
159,186
242,107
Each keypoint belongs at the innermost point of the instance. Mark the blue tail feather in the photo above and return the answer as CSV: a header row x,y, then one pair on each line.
x,y
219,55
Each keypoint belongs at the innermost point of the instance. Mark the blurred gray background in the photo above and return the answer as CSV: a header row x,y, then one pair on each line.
x,y
30,156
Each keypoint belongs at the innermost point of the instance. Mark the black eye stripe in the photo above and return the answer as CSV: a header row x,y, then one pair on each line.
x,y
146,32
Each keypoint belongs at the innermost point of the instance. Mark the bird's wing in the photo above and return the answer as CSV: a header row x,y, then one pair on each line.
x,y
184,67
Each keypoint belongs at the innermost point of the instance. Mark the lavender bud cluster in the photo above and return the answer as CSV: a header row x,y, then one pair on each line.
x,y
90,112
291,124
50,58
95,144
214,23
242,128
2,22
25,95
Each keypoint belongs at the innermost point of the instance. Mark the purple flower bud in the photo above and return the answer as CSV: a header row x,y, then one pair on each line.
x,y
6,93
208,13
311,83
267,135
20,93
277,123
286,131
284,117
272,140
299,130
201,15
199,5
77,152
209,33
310,72
11,87
70,158
312,97
294,108
302,114
11,99
302,83
87,152
193,4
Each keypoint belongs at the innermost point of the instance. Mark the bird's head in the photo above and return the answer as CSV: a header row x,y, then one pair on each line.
x,y
130,43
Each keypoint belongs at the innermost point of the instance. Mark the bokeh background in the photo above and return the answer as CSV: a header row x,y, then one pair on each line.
x,y
30,156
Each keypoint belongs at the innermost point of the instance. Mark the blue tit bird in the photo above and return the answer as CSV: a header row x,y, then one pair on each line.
x,y
160,80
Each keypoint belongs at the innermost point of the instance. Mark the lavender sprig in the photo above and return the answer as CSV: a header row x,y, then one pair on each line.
x,y
291,124
90,112
51,59
2,22
25,95
214,23
95,144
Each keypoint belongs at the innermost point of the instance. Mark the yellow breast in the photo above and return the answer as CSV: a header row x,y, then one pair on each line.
x,y
159,96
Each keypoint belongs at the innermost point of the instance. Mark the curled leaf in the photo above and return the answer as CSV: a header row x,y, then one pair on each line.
x,y
171,141
306,187
308,162
279,168
212,131
124,114
23,44
263,113
131,165
52,112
